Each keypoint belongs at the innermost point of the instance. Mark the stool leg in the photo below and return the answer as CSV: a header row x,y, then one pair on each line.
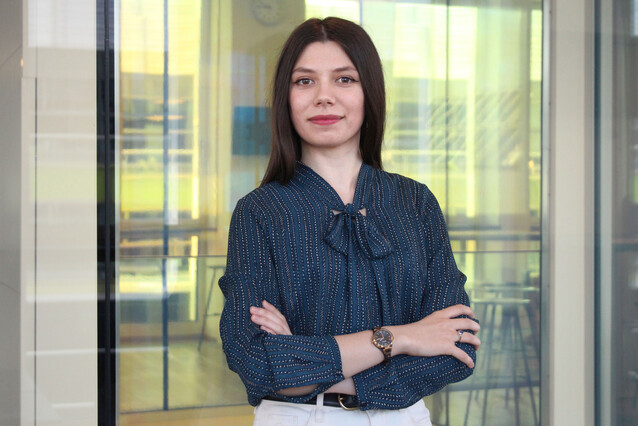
x,y
507,345
527,372
530,319
489,364
513,322
473,379
483,314
447,406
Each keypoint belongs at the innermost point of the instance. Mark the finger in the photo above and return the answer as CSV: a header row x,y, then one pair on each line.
x,y
462,356
256,310
274,311
268,306
264,318
261,315
275,322
268,330
262,312
271,308
458,310
471,339
465,324
268,323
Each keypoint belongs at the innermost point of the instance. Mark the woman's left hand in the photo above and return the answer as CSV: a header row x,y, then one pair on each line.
x,y
269,319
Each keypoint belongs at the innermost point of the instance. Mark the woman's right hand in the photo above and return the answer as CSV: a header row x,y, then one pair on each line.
x,y
269,319
437,334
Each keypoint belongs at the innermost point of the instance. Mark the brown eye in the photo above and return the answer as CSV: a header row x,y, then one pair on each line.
x,y
303,82
346,80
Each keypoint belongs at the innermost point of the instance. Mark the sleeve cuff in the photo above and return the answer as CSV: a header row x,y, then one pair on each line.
x,y
362,392
304,360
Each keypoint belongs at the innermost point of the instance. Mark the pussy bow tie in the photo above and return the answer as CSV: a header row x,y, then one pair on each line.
x,y
351,220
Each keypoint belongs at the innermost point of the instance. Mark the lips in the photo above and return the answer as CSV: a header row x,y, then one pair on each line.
x,y
325,120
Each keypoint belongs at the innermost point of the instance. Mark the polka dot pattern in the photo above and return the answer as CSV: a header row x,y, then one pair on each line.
x,y
335,269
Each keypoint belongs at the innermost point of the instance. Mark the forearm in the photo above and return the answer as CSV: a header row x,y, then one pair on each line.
x,y
406,379
353,353
358,353
345,387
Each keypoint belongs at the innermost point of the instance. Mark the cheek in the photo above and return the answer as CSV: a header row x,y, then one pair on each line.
x,y
359,104
360,107
296,108
296,114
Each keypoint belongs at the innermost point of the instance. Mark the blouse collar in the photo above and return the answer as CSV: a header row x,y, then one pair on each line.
x,y
348,225
321,188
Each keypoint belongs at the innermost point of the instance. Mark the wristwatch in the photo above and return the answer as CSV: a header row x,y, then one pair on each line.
x,y
382,339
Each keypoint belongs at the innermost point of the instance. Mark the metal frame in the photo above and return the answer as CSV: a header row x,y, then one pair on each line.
x,y
106,320
605,392
107,331
545,223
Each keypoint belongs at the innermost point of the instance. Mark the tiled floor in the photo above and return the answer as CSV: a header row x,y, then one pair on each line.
x,y
235,416
195,378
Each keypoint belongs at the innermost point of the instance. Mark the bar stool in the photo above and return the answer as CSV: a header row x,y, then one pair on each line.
x,y
511,302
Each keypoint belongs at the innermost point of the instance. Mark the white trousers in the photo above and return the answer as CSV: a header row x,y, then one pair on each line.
x,y
276,413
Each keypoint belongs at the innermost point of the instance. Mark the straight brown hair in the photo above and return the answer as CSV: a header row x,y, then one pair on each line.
x,y
356,43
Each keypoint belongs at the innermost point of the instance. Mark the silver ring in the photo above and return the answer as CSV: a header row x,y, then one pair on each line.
x,y
460,335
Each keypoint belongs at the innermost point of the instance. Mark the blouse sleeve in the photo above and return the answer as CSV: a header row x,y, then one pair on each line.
x,y
266,363
406,379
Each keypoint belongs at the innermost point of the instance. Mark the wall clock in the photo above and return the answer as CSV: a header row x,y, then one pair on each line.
x,y
268,12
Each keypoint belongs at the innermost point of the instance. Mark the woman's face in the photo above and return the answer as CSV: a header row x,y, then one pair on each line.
x,y
326,98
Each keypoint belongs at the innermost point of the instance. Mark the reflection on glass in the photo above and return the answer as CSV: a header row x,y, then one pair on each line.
x,y
463,87
617,214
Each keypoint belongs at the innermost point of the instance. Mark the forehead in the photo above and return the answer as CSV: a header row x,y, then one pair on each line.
x,y
323,55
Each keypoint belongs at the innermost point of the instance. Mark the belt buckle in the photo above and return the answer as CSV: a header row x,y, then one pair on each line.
x,y
340,400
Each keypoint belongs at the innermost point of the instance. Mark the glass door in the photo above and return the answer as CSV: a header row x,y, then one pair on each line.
x,y
192,90
617,213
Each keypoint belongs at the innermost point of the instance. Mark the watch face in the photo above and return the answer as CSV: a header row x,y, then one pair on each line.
x,y
383,337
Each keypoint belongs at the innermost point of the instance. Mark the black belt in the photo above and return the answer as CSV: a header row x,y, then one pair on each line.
x,y
347,402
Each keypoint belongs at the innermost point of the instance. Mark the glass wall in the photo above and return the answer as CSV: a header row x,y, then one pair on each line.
x,y
617,212
464,112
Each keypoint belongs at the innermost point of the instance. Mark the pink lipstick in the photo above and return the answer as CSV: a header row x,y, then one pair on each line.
x,y
325,120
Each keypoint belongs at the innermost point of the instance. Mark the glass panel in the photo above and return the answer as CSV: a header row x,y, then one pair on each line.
x,y
617,213
463,86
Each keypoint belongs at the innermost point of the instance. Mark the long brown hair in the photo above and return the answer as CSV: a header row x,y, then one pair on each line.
x,y
285,144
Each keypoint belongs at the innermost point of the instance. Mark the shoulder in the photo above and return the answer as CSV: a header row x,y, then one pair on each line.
x,y
265,201
401,187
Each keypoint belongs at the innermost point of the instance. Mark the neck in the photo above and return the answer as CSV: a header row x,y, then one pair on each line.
x,y
340,170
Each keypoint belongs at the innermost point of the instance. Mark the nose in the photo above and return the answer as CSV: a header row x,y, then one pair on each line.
x,y
324,95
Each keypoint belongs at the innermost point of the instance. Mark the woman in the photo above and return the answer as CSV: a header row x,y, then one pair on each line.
x,y
342,290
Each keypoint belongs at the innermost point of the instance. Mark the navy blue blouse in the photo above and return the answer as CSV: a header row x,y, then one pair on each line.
x,y
334,269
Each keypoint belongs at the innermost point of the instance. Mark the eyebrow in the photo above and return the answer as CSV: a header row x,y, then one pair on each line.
x,y
310,71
